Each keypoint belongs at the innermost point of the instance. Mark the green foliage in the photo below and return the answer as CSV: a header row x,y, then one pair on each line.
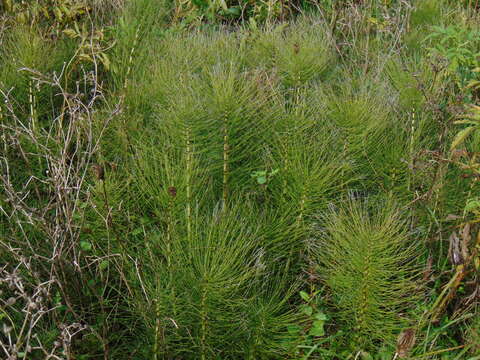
x,y
217,282
460,47
234,10
425,13
299,53
473,121
262,176
195,232
54,15
367,260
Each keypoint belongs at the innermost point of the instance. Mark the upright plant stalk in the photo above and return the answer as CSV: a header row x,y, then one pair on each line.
x,y
158,330
285,168
298,223
203,319
226,149
412,129
130,61
189,186
32,102
368,261
124,90
303,200
365,292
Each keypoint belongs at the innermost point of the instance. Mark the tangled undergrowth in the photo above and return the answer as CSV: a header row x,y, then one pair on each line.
x,y
239,180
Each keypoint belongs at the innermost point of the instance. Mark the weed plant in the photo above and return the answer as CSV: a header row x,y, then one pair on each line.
x,y
288,187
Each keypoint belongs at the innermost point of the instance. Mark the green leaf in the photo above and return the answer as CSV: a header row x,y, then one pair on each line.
x,y
145,220
307,310
234,11
58,14
461,136
223,4
262,180
85,245
304,296
321,316
317,329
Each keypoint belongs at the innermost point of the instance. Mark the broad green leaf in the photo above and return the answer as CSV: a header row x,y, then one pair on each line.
x,y
317,329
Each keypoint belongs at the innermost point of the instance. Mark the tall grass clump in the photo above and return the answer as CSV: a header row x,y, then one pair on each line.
x,y
368,261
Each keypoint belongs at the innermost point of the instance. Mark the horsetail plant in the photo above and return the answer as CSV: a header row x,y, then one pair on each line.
x,y
366,258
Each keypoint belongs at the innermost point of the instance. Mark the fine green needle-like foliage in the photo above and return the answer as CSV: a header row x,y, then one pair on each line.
x,y
239,179
368,261
205,289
